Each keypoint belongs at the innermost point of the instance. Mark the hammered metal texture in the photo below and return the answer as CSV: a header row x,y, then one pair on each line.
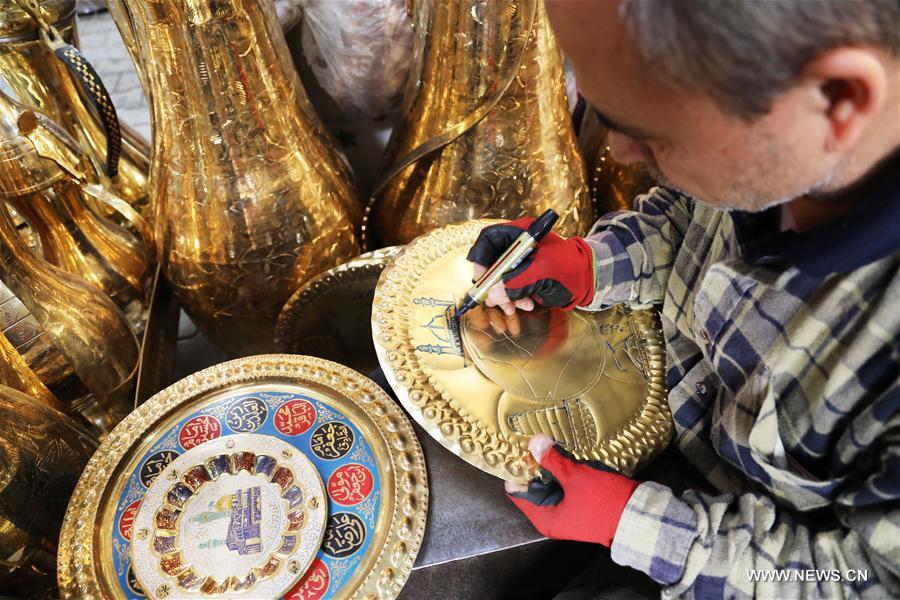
x,y
486,130
593,381
248,195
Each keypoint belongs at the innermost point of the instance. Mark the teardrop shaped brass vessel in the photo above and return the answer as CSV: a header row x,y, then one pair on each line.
x,y
249,196
74,236
486,131
41,81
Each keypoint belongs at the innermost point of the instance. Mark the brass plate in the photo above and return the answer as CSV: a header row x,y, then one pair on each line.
x,y
359,441
329,316
594,381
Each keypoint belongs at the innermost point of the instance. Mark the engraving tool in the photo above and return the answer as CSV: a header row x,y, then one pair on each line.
x,y
509,260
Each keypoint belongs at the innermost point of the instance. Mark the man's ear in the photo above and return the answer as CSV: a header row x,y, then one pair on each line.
x,y
853,83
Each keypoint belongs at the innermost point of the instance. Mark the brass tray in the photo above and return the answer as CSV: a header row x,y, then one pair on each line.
x,y
594,381
290,409
329,315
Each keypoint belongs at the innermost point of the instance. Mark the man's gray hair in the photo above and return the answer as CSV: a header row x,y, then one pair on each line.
x,y
744,53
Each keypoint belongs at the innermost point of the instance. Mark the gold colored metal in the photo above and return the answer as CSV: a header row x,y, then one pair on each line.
x,y
329,316
59,208
487,131
71,336
594,381
41,80
42,453
249,196
86,544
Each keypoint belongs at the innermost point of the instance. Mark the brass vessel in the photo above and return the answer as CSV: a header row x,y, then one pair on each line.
x,y
249,197
486,131
71,336
40,80
73,235
42,454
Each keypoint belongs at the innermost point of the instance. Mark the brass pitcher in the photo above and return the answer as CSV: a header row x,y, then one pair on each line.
x,y
42,454
73,235
249,197
40,80
70,335
486,132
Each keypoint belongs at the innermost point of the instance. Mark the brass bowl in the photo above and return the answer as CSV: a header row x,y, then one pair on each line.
x,y
359,441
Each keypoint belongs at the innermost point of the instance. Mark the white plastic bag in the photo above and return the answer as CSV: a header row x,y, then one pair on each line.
x,y
359,52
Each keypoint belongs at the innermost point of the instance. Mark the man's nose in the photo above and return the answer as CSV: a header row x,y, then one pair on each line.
x,y
627,151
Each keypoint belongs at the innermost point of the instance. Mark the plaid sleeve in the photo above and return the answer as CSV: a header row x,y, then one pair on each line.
x,y
634,250
745,545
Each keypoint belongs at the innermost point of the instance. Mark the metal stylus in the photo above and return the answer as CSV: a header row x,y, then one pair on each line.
x,y
509,260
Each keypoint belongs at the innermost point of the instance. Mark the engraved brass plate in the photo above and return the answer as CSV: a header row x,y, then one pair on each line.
x,y
594,381
269,476
329,315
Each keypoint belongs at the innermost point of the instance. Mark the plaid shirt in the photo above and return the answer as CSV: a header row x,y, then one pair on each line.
x,y
783,365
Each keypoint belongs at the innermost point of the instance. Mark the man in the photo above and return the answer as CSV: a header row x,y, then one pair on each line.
x,y
773,253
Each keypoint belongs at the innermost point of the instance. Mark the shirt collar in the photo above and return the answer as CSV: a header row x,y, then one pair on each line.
x,y
869,233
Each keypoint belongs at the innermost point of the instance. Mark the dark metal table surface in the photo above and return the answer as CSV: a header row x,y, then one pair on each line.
x,y
477,544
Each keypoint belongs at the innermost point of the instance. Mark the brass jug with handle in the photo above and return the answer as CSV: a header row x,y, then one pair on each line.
x,y
486,131
73,235
29,31
249,197
71,337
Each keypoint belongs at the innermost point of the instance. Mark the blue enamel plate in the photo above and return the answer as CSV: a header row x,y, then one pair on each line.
x,y
265,477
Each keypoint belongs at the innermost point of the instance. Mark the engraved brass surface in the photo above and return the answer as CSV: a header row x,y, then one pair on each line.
x,y
42,453
73,339
486,131
594,381
335,416
60,210
249,196
40,80
329,316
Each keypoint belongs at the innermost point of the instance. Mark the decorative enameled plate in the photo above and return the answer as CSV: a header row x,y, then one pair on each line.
x,y
264,477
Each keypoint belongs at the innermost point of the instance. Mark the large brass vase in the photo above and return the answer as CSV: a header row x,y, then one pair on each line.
x,y
486,131
249,197
41,80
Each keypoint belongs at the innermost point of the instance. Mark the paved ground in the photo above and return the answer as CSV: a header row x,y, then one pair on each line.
x,y
102,45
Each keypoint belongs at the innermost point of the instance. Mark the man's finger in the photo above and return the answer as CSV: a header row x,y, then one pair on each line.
x,y
496,296
540,445
526,304
478,271
515,488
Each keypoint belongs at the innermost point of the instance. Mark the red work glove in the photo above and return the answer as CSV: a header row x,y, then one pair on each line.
x,y
583,500
559,272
